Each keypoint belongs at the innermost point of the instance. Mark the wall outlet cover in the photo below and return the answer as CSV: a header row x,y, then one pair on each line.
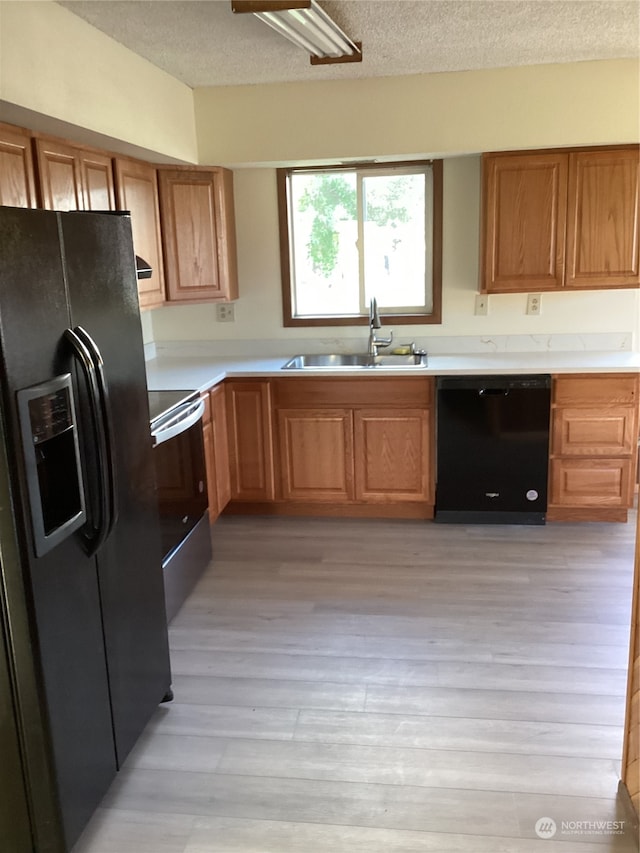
x,y
225,312
534,301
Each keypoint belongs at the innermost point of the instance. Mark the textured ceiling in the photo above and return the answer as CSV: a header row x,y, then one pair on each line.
x,y
205,44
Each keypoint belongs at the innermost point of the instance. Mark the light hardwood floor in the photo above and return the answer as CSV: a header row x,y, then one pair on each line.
x,y
376,686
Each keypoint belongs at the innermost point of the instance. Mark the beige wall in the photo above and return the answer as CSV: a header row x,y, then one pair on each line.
x,y
259,314
454,113
56,65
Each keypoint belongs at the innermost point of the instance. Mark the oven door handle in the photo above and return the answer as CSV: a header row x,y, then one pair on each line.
x,y
183,418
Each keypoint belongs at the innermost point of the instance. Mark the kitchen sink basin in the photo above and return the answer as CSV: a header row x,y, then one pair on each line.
x,y
350,361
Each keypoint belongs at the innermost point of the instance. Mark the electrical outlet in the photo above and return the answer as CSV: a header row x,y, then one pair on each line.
x,y
482,304
226,313
534,303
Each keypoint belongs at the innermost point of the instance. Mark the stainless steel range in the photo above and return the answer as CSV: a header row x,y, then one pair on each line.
x,y
178,452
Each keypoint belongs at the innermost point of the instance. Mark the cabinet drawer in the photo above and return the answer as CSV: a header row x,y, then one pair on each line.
x,y
595,390
591,482
416,392
606,431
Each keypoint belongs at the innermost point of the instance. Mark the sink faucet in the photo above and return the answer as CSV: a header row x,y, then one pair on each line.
x,y
374,324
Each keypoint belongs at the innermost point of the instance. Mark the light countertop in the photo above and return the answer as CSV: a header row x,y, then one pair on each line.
x,y
170,372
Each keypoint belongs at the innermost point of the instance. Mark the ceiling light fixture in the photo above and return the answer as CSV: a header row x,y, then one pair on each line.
x,y
307,25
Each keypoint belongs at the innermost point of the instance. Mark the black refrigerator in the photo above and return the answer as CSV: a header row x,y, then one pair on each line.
x,y
84,657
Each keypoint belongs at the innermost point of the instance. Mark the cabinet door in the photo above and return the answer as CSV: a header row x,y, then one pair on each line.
x,y
193,205
316,454
74,178
606,431
392,453
97,180
137,192
17,184
222,483
524,210
602,219
591,483
250,441
60,175
209,459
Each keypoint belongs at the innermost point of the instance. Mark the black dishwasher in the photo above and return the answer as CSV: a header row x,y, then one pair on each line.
x,y
493,449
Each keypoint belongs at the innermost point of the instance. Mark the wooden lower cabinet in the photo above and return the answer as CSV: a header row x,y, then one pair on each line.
x,y
216,451
593,482
631,750
392,453
316,454
250,440
593,454
362,447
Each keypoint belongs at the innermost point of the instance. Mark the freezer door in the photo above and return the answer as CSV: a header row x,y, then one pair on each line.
x,y
102,287
61,586
15,825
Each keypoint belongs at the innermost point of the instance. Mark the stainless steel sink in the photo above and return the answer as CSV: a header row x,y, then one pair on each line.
x,y
350,361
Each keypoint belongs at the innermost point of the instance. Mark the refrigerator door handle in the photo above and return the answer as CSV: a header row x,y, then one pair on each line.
x,y
107,423
93,541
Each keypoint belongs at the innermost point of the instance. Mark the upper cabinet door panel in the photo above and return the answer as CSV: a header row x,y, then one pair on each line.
x,y
137,192
17,184
188,209
97,179
602,223
198,231
524,221
60,176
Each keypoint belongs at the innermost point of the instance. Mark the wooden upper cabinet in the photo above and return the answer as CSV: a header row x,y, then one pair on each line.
x,y
73,178
561,219
60,176
198,233
137,192
97,181
17,183
602,221
524,221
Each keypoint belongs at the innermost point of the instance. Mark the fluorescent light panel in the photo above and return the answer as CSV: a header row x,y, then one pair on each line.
x,y
308,26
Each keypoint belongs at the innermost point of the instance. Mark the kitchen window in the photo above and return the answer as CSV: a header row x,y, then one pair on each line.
x,y
351,233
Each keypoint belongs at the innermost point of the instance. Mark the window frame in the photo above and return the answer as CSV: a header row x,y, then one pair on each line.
x,y
291,320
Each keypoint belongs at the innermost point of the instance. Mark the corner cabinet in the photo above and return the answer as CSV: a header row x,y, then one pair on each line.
x,y
137,192
593,447
554,220
198,234
17,181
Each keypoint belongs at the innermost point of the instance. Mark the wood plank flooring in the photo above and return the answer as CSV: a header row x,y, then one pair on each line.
x,y
366,686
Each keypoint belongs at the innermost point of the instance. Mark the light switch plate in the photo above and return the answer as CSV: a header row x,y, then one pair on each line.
x,y
482,304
